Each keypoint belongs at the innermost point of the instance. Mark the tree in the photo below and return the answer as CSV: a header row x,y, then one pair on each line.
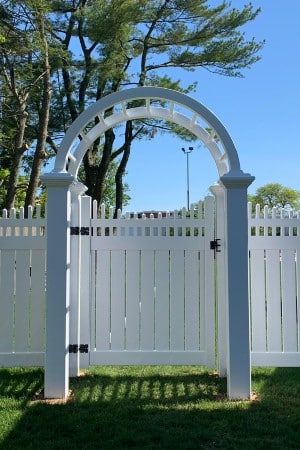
x,y
130,42
83,50
275,194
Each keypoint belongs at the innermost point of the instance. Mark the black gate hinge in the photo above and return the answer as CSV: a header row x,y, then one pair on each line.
x,y
215,246
82,348
76,231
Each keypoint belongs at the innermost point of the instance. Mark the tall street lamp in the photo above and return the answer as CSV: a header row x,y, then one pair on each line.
x,y
187,152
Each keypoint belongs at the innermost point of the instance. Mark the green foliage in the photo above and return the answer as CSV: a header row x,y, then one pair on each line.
x,y
110,187
121,43
20,188
275,194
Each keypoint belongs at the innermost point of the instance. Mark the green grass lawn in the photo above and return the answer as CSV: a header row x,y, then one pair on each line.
x,y
150,408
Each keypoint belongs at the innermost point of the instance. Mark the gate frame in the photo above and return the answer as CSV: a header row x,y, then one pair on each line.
x,y
233,184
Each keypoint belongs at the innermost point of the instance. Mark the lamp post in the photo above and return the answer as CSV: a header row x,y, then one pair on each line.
x,y
187,152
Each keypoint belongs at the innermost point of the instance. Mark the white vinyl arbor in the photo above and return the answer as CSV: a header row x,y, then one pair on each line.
x,y
64,193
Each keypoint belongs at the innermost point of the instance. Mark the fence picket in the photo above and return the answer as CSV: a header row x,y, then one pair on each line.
x,y
274,343
22,300
103,300
7,286
117,290
38,300
176,299
191,300
132,300
258,306
147,300
162,300
289,316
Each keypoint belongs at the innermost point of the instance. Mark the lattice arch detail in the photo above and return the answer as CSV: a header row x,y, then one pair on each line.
x,y
150,103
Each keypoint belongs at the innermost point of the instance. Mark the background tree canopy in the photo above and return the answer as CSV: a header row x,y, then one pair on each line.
x,y
275,194
58,57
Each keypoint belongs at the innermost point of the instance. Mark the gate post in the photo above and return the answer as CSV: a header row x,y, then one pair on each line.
x,y
76,189
58,285
219,194
238,337
85,275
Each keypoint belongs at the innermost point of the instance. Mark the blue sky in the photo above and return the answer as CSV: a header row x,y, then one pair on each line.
x,y
260,111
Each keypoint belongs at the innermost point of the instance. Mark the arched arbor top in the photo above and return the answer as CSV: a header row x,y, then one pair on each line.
x,y
150,103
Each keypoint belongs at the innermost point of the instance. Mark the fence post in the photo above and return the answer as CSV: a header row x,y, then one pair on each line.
x,y
238,336
85,275
76,189
219,194
58,285
209,283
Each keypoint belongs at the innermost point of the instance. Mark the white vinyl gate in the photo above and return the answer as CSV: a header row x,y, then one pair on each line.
x,y
153,297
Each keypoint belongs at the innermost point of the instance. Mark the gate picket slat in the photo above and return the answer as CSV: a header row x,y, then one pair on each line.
x,y
176,299
289,312
191,300
22,300
103,300
162,300
147,300
7,275
258,306
117,289
132,300
202,334
273,301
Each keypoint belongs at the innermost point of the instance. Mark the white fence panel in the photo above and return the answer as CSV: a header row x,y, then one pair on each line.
x,y
153,288
274,245
22,288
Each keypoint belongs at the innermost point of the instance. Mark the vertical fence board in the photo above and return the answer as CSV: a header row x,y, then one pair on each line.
x,y
273,301
162,300
103,300
209,282
117,300
132,299
191,300
258,306
202,333
147,300
7,277
22,300
177,300
289,321
38,300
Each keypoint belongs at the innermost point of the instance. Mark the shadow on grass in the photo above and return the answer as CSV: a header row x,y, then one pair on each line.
x,y
171,408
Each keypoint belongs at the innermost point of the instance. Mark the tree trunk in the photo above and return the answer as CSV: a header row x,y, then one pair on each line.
x,y
40,154
103,166
122,167
20,148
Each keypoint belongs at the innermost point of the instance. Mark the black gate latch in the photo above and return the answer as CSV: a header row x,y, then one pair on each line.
x,y
214,245
82,348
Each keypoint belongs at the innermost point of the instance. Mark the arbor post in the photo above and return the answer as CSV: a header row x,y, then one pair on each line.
x,y
238,337
221,290
58,285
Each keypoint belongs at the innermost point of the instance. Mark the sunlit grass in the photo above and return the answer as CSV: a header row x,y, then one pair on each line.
x,y
150,408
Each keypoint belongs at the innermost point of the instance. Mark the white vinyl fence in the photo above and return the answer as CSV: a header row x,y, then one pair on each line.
x,y
22,288
274,272
152,287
